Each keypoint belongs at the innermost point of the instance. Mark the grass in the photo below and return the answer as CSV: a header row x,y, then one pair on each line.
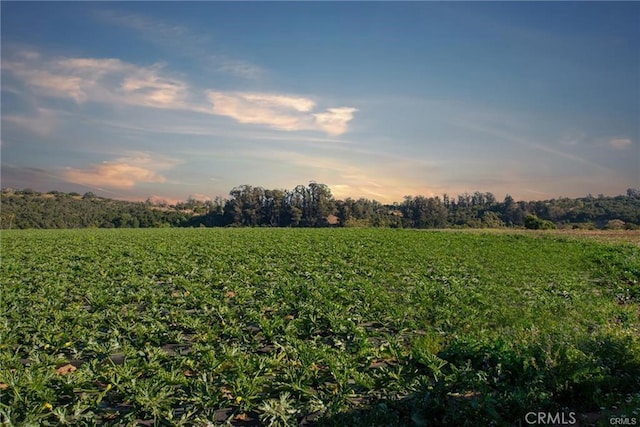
x,y
315,326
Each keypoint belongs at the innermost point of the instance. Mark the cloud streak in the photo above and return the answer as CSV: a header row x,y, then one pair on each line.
x,y
112,81
280,111
153,30
43,123
238,68
513,137
182,40
620,143
106,80
122,173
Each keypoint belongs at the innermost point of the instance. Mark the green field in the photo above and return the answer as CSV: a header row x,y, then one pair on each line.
x,y
315,327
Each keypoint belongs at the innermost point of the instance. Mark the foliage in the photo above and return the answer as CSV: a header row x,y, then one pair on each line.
x,y
326,326
315,206
532,222
29,209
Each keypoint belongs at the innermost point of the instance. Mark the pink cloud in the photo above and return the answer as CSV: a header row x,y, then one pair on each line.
x,y
620,143
123,173
278,111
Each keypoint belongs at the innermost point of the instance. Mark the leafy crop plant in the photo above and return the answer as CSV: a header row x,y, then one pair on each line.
x,y
341,327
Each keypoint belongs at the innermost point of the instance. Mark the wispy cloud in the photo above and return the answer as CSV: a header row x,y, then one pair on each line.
x,y
238,68
492,126
154,30
280,111
620,143
276,111
122,173
116,82
152,90
29,54
572,138
334,121
183,41
106,80
42,123
48,83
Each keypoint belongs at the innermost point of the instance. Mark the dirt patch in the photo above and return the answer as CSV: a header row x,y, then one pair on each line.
x,y
605,236
608,236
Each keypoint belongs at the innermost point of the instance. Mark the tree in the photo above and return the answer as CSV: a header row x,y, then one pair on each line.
x,y
491,219
321,204
344,211
296,200
274,207
513,213
423,212
310,206
245,207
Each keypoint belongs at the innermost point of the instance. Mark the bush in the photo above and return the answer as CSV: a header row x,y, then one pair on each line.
x,y
583,226
532,222
614,224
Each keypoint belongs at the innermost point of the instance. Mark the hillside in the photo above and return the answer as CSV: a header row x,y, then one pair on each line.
x,y
30,209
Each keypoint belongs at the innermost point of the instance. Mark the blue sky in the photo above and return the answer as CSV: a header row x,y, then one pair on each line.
x,y
378,100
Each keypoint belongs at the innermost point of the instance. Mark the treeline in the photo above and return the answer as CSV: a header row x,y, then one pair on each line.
x,y
31,209
315,206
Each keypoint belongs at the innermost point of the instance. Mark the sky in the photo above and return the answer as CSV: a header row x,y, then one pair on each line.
x,y
167,100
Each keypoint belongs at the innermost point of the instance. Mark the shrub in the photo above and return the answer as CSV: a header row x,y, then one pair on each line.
x,y
532,222
614,224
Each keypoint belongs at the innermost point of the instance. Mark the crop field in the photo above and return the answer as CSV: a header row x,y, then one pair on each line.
x,y
341,327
